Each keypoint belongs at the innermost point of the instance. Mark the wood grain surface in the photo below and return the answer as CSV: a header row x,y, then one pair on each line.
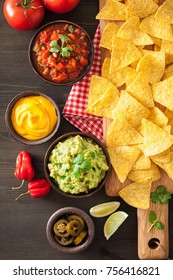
x,y
153,244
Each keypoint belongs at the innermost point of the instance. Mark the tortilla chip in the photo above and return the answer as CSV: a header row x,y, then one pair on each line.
x,y
142,162
158,117
104,106
167,47
157,28
168,72
168,113
98,86
156,139
153,66
119,128
123,54
131,108
137,194
118,78
153,173
109,31
141,90
163,93
168,59
165,11
141,8
123,156
163,157
168,167
130,31
113,10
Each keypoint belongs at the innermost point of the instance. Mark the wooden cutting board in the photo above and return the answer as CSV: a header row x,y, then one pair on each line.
x,y
153,244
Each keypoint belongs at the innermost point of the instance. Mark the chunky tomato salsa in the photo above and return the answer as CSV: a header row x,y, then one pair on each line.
x,y
62,52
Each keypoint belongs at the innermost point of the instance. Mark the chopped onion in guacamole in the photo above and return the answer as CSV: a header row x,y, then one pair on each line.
x,y
77,164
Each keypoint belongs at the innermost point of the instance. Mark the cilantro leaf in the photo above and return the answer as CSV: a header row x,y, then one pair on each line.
x,y
55,47
64,38
152,217
160,196
65,52
159,225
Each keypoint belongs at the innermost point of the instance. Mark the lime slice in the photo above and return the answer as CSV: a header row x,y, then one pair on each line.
x,y
104,209
113,222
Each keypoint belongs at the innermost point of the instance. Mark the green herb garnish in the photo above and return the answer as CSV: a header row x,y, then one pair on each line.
x,y
63,51
160,196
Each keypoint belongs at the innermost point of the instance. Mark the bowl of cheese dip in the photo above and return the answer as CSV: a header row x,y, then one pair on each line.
x,y
32,117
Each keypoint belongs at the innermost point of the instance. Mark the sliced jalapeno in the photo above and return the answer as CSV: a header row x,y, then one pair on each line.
x,y
74,227
76,217
80,237
65,241
60,228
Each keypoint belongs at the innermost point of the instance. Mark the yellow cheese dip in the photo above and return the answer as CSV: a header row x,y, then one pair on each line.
x,y
34,117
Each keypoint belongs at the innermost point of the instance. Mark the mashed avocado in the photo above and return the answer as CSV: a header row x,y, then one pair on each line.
x,y
77,164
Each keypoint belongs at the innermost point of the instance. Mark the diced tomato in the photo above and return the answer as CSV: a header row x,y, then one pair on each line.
x,y
72,36
46,71
83,61
60,66
45,54
54,36
44,36
61,77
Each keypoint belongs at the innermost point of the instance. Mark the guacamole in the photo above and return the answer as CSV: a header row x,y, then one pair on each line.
x,y
77,164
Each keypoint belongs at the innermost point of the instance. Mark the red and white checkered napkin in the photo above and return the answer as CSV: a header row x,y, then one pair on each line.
x,y
74,109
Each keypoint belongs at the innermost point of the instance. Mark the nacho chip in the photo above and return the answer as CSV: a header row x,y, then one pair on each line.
x,y
168,167
157,28
113,10
141,8
104,106
153,66
168,72
98,86
130,31
156,139
167,47
153,173
168,113
133,110
141,90
165,11
123,156
168,59
163,93
109,31
142,162
123,54
119,128
163,157
137,194
158,117
120,77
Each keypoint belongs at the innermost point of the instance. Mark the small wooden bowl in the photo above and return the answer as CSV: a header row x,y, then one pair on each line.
x,y
33,60
9,125
55,184
70,248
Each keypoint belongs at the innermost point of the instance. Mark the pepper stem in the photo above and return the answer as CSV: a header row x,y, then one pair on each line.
x,y
21,195
17,188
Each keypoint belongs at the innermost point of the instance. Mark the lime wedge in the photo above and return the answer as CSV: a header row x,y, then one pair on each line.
x,y
104,209
113,222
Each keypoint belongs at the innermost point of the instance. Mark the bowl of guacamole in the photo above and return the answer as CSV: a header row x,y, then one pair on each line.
x,y
77,164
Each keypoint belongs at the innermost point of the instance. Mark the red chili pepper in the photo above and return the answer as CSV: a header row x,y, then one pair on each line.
x,y
24,169
37,188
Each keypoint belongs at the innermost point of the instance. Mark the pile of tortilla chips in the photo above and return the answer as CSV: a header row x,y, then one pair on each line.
x,y
135,91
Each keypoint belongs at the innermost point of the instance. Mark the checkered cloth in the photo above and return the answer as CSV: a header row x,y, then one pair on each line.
x,y
74,109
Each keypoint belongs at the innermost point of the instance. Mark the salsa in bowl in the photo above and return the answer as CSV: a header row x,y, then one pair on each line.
x,y
61,52
77,164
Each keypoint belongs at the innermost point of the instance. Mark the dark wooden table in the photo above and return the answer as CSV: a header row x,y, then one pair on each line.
x,y
23,222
